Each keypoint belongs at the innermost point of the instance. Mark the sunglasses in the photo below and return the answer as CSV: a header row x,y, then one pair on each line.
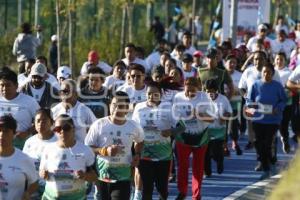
x,y
65,128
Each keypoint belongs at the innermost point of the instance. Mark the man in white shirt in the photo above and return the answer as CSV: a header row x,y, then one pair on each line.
x,y
21,106
187,43
137,90
282,44
82,116
39,88
261,34
293,84
154,58
130,57
94,61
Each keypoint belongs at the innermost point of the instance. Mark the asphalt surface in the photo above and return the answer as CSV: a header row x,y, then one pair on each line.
x,y
238,175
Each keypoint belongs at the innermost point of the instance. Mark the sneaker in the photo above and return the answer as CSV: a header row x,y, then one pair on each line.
x,y
180,196
238,150
137,195
220,167
285,146
274,170
265,175
249,146
172,178
207,176
295,139
226,151
258,167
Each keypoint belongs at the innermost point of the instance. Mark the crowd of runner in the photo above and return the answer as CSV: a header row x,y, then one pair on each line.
x,y
127,128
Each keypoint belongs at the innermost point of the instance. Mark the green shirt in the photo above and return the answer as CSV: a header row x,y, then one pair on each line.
x,y
222,76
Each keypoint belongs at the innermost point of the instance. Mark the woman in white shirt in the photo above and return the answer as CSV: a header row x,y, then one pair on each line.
x,y
66,164
35,145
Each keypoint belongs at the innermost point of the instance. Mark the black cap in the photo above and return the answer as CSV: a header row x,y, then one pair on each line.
x,y
187,58
7,121
211,53
158,70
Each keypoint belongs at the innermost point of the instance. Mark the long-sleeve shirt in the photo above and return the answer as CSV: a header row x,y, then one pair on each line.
x,y
270,96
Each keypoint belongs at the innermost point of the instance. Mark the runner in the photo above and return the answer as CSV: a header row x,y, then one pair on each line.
x,y
35,145
111,139
66,164
17,169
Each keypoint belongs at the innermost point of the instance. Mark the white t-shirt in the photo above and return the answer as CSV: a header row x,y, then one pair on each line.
x,y
192,73
284,75
191,50
61,164
236,77
221,105
183,108
168,95
82,117
153,59
104,133
34,148
135,96
138,61
286,46
251,45
22,80
154,120
250,75
112,81
37,93
15,170
295,76
102,65
22,108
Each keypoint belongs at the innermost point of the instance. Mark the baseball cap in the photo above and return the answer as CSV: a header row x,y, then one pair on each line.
x,y
7,121
54,38
211,53
262,27
187,58
64,72
198,54
38,69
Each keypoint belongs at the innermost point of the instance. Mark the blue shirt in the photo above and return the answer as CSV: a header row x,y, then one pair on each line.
x,y
270,96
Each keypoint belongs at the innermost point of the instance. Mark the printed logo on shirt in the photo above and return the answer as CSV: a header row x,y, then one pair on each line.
x,y
3,184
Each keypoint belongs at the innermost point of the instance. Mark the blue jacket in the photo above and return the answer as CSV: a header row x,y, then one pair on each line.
x,y
270,95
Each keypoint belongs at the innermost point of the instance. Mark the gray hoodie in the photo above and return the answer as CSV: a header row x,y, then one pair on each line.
x,y
25,46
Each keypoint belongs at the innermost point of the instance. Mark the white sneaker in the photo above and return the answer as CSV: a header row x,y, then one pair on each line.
x,y
137,195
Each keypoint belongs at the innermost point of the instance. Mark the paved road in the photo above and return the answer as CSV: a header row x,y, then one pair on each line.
x,y
238,174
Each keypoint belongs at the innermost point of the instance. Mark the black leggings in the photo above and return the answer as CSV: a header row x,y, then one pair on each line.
x,y
154,173
264,134
215,152
115,191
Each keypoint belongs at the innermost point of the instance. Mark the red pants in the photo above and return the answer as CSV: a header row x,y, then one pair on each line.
x,y
183,154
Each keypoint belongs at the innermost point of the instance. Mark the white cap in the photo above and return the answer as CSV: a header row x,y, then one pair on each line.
x,y
64,72
38,69
262,27
54,38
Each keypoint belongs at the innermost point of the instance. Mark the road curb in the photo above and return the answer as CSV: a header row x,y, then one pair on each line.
x,y
258,190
